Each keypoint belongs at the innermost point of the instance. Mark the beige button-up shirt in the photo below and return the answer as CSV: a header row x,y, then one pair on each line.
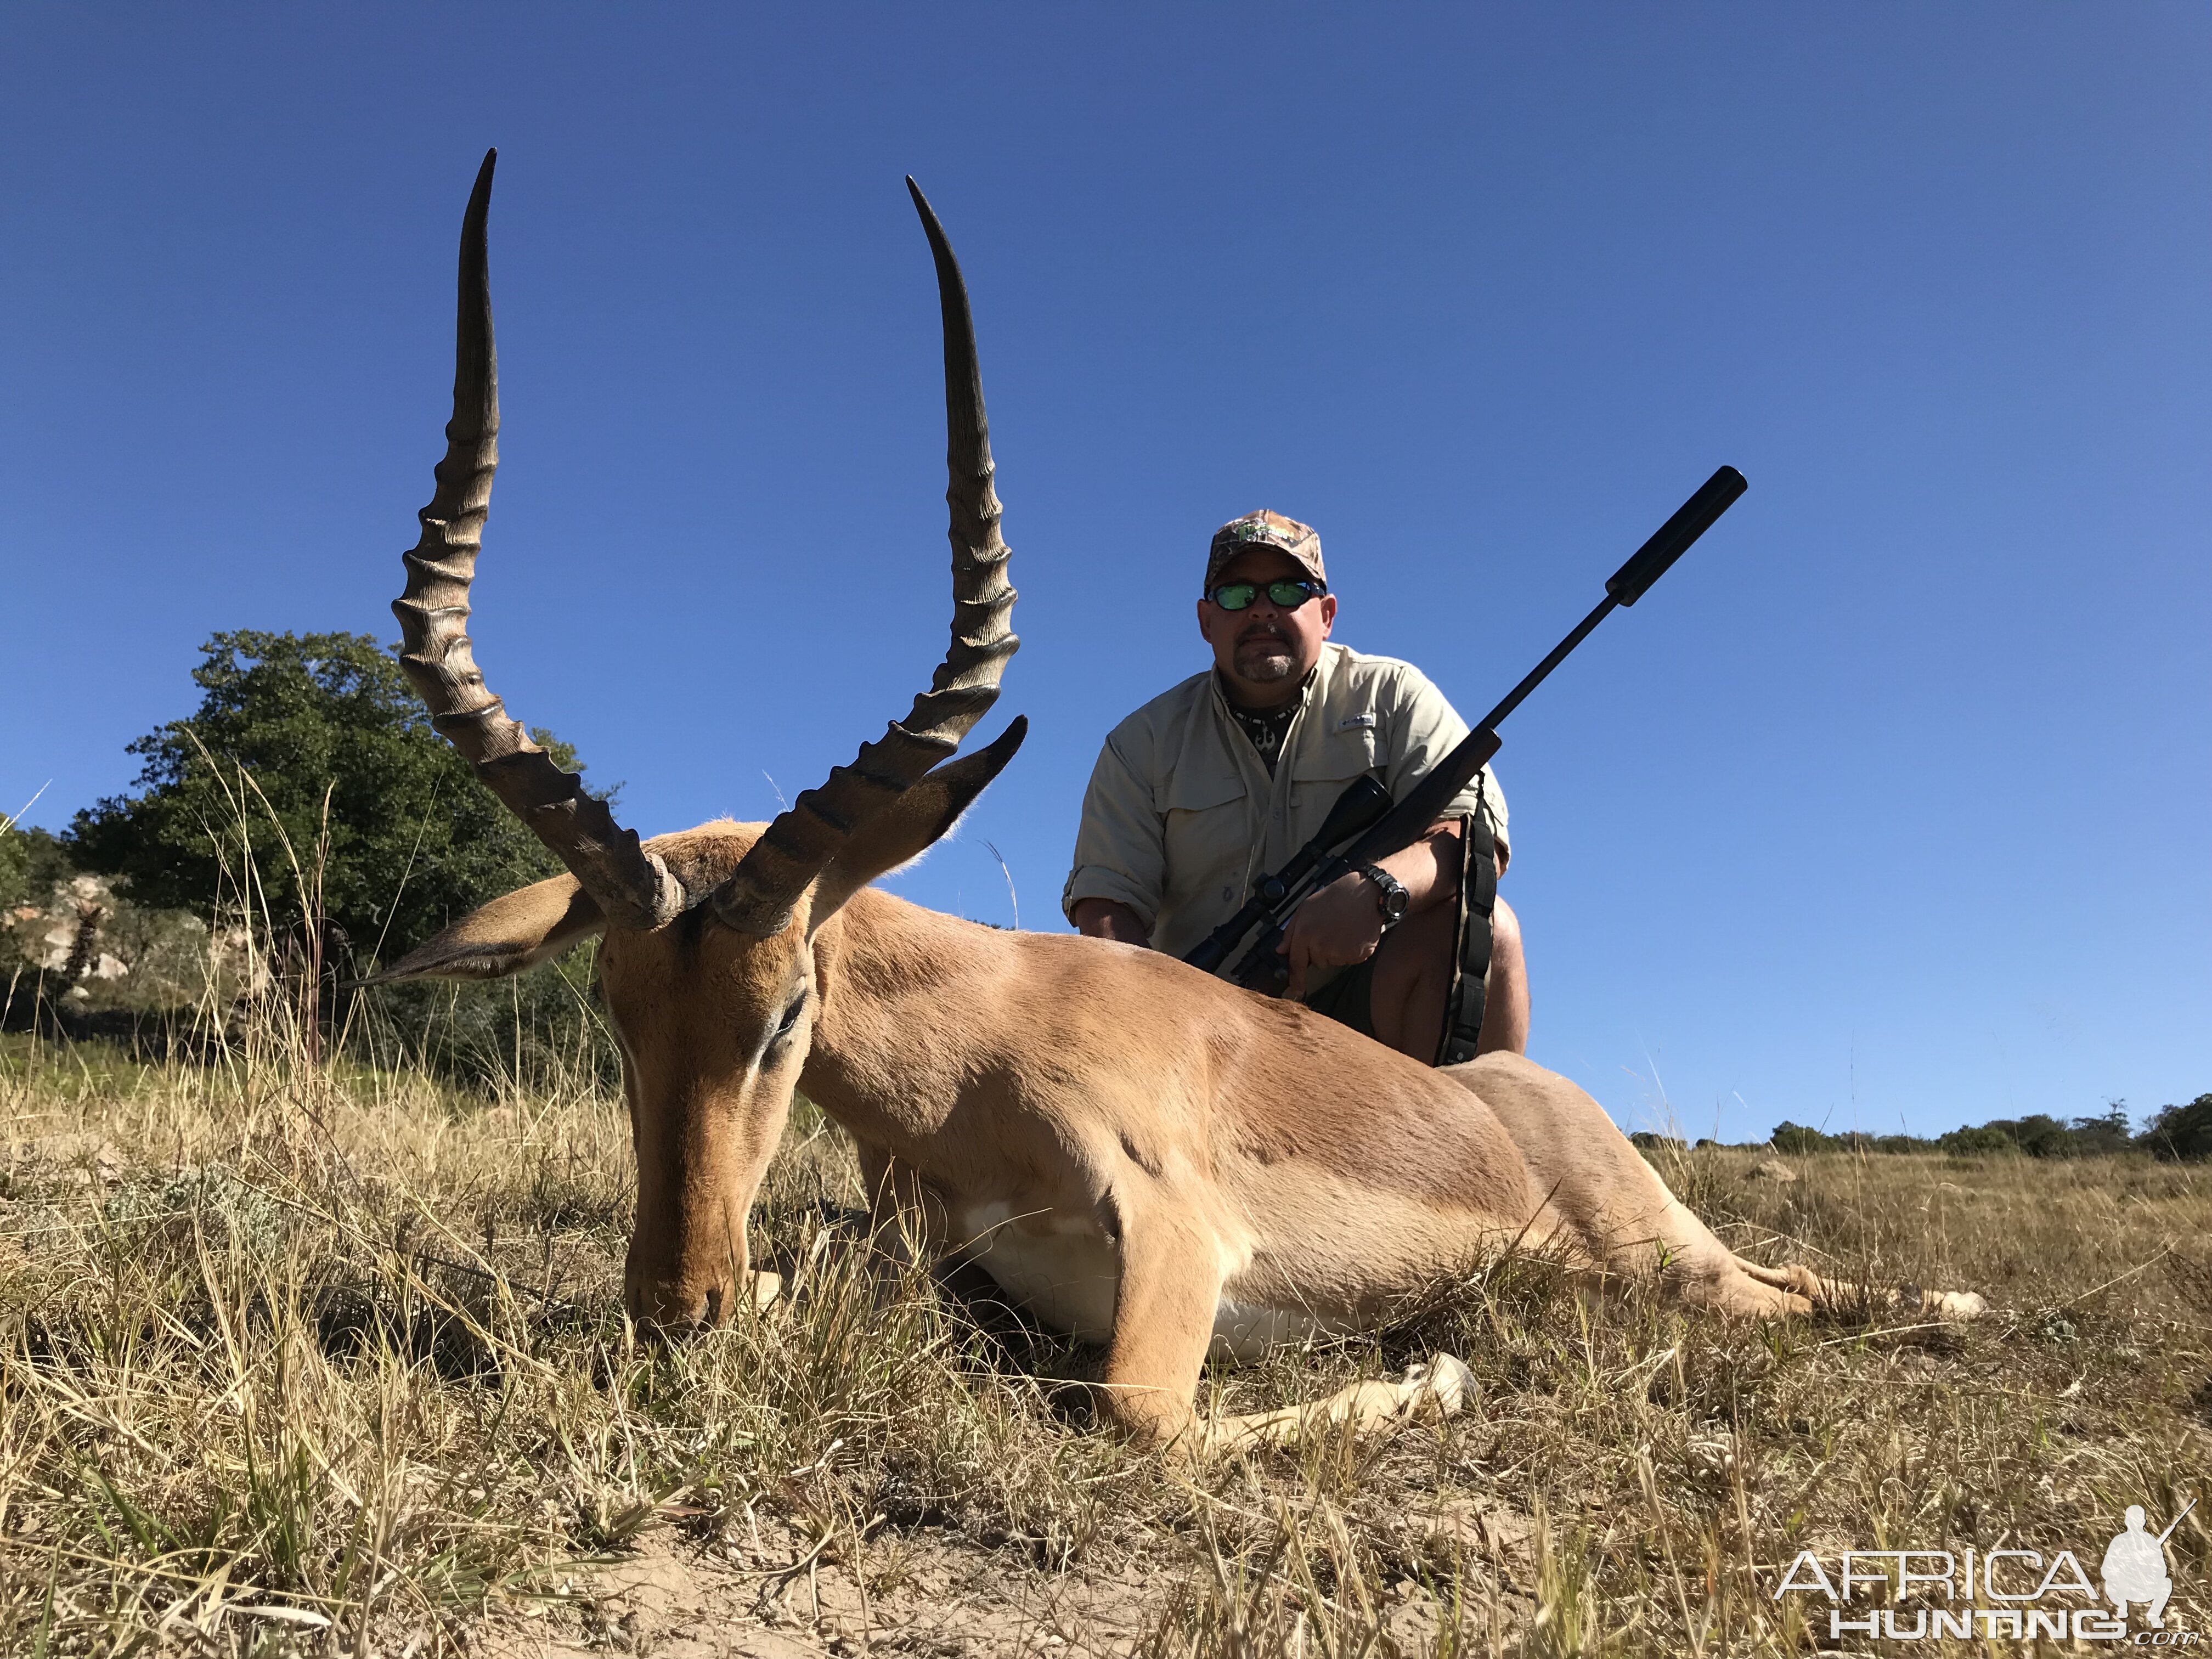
x,y
1181,820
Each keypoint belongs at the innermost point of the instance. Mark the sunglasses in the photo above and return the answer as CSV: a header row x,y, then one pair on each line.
x,y
1284,595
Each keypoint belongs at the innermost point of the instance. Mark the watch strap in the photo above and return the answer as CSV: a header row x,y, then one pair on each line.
x,y
1390,895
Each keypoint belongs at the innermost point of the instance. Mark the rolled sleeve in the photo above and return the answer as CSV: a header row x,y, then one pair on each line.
x,y
1121,851
1428,729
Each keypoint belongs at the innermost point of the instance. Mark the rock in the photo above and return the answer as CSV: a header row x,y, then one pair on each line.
x,y
1712,1455
1477,1529
1771,1169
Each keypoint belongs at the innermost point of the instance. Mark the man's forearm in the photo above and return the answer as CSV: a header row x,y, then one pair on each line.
x,y
1429,869
1342,924
1105,917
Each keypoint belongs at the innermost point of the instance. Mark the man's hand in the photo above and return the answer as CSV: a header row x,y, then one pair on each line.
x,y
1342,924
1105,917
1338,926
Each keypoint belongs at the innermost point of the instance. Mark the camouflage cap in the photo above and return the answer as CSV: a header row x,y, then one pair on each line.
x,y
1265,529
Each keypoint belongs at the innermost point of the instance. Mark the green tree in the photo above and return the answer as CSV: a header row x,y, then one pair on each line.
x,y
2181,1132
1796,1138
2038,1134
414,839
31,862
2105,1134
1979,1139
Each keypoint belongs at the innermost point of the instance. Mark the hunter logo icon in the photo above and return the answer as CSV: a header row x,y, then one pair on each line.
x,y
1934,1594
2135,1567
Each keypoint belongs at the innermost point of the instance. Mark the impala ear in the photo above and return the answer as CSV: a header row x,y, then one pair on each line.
x,y
912,824
519,931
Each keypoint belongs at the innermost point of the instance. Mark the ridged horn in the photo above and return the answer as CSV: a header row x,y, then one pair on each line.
x,y
632,886
758,896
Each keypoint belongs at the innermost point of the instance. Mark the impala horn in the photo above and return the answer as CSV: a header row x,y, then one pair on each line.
x,y
629,885
759,895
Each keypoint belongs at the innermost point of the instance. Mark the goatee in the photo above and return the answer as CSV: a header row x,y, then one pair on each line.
x,y
1265,660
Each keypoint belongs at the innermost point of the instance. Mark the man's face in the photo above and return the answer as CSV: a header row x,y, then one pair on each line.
x,y
1264,651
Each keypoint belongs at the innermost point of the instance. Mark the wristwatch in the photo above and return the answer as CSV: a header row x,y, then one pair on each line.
x,y
1391,897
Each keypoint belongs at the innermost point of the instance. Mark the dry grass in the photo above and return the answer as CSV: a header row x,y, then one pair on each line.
x,y
324,1360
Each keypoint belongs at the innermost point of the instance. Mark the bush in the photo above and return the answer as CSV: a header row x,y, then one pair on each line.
x,y
2181,1132
298,736
1980,1139
2038,1134
2106,1133
538,1032
1901,1144
32,862
1790,1137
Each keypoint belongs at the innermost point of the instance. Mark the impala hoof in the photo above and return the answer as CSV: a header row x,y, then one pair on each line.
x,y
1444,1382
677,1308
1943,1305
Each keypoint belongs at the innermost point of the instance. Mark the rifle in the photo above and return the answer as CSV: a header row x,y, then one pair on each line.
x,y
2178,1519
1382,833
1356,809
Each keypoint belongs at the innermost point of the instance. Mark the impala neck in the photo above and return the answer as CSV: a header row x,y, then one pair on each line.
x,y
912,1009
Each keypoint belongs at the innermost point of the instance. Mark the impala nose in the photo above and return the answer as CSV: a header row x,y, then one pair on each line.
x,y
676,1307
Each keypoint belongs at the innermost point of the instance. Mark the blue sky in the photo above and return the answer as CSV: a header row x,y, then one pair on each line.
x,y
1889,807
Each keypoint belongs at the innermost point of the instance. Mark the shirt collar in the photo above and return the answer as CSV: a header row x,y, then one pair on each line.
x,y
1237,711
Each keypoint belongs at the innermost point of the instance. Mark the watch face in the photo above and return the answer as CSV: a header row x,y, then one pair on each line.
x,y
1390,897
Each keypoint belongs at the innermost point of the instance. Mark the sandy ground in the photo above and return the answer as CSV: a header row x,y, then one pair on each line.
x,y
673,1600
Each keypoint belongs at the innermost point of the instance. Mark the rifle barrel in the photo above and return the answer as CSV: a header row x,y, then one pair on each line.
x,y
1535,676
1629,583
2178,1519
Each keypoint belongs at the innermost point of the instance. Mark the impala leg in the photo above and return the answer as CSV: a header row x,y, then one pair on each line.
x,y
1163,1313
1817,1292
1443,1386
907,1220
1616,1208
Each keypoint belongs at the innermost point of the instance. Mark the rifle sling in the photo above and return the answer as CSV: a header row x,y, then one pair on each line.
x,y
1465,1003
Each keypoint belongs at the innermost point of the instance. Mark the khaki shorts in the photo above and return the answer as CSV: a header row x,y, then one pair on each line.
x,y
1348,999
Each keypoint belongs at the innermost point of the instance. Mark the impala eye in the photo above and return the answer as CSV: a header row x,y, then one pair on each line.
x,y
791,1016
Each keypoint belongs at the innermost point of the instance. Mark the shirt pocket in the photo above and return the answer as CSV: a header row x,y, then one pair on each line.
x,y
1321,771
1207,833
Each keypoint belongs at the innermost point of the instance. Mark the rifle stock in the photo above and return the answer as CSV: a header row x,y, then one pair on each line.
x,y
1263,968
1362,801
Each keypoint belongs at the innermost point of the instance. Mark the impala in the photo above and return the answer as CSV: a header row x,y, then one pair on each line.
x,y
1142,1155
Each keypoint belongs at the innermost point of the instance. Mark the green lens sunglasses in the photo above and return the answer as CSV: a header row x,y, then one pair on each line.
x,y
1285,595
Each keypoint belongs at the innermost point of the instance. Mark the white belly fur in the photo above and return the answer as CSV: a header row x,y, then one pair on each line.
x,y
1068,1278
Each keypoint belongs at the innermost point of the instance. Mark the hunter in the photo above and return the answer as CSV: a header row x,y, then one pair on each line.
x,y
1216,783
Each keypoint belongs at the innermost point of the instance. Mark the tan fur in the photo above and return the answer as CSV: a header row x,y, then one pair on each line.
x,y
1163,1159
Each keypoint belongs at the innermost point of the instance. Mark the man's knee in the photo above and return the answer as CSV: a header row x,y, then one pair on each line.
x,y
1417,948
1505,1010
1504,931
1412,981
